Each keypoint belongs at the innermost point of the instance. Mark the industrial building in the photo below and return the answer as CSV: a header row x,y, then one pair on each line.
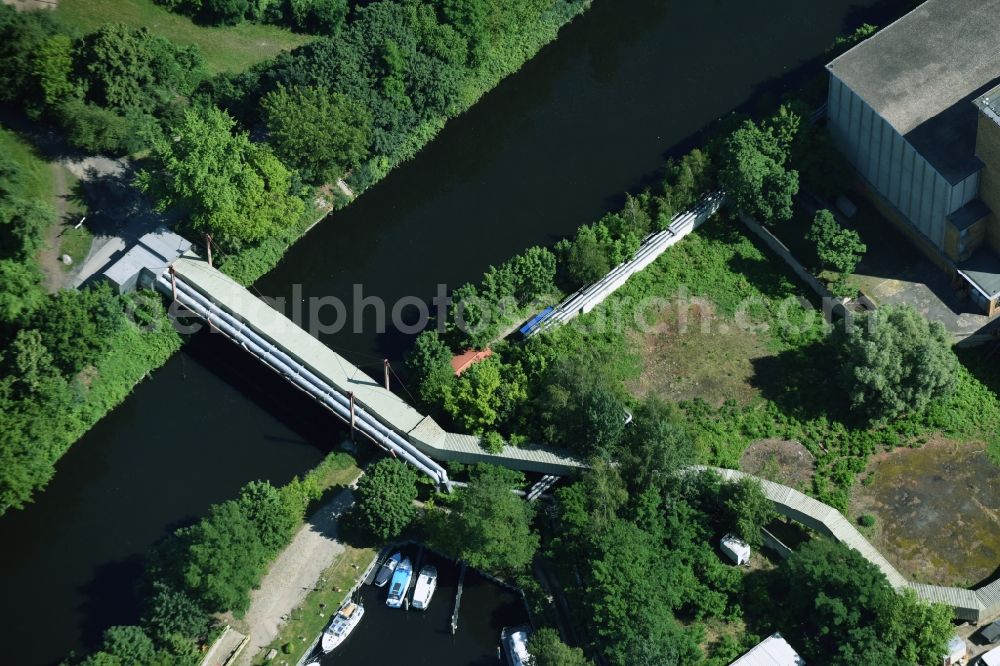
x,y
916,110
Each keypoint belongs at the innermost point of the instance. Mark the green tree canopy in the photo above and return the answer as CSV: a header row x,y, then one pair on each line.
x,y
838,248
125,67
753,171
547,649
385,498
485,394
489,526
749,509
319,132
894,361
232,188
841,608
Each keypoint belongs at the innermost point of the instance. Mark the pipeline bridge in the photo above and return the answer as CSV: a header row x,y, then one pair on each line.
x,y
358,400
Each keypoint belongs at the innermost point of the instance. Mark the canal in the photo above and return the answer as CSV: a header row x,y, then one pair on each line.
x,y
552,147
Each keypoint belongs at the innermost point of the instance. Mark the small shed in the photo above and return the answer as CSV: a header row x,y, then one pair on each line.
x,y
991,632
957,652
735,549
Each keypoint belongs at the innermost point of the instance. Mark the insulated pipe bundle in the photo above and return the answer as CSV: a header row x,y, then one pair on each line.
x,y
299,375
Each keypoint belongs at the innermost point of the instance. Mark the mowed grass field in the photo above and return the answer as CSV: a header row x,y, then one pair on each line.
x,y
226,49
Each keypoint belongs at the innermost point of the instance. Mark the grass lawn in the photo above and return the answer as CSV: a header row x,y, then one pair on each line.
x,y
226,49
34,174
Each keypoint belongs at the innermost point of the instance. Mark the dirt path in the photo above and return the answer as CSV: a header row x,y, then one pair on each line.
x,y
55,276
294,574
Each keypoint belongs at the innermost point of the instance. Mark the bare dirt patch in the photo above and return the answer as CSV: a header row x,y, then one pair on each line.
x,y
780,460
937,510
709,358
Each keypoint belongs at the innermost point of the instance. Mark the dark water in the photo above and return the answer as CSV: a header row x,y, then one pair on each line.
x,y
551,148
423,638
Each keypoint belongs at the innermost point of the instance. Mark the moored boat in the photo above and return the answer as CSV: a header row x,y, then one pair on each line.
x,y
342,625
387,568
424,590
400,583
514,645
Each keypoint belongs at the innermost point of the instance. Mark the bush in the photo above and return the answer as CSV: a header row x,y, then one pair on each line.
x,y
866,520
895,361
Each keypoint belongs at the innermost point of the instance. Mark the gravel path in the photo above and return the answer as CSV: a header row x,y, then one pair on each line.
x,y
294,573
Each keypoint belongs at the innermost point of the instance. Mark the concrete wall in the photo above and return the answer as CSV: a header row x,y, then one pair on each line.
x,y
988,150
893,167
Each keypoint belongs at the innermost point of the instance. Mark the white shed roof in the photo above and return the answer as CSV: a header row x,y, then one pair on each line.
x,y
772,651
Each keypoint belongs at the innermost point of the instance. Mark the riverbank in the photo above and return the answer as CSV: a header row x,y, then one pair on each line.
x,y
137,353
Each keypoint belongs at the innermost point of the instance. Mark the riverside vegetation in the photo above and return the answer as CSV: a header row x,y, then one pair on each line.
x,y
384,77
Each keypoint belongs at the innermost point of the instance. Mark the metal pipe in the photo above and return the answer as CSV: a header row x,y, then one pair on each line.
x,y
294,371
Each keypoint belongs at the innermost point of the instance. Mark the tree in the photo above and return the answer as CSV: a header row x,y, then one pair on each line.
x,y
895,361
124,68
53,69
534,272
172,612
221,558
489,526
842,608
585,260
429,363
547,649
385,498
838,248
485,394
31,363
324,17
265,507
749,509
19,290
656,446
235,189
319,132
78,326
130,644
754,174
226,12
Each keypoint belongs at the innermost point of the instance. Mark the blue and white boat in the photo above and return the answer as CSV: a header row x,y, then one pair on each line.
x,y
400,583
387,569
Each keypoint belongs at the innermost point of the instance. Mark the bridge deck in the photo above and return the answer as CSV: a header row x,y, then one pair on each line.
x,y
345,377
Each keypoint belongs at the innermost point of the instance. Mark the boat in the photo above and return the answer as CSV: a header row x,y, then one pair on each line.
x,y
385,572
342,625
514,645
400,583
426,584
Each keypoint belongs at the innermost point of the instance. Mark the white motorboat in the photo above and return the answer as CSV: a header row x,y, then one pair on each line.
x,y
342,625
424,590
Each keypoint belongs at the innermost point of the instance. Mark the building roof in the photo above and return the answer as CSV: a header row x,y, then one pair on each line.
x,y
772,651
989,104
922,73
461,362
982,269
